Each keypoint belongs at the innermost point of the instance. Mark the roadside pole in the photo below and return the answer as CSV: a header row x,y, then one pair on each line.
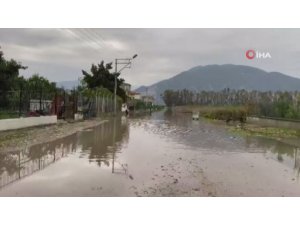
x,y
115,90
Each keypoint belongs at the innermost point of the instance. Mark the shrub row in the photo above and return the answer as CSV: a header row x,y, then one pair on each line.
x,y
224,113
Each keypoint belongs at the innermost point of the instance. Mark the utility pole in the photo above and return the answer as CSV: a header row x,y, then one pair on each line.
x,y
127,64
115,90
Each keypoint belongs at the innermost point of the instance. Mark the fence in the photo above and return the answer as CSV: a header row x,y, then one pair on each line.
x,y
94,103
25,103
64,104
21,103
97,105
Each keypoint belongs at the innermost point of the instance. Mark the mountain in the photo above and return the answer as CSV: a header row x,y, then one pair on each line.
x,y
71,84
218,77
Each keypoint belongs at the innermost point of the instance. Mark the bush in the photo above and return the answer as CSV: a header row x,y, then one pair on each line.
x,y
224,113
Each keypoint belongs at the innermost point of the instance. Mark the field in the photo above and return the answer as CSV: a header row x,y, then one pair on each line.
x,y
226,113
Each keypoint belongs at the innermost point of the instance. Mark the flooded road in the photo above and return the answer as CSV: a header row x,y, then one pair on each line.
x,y
157,155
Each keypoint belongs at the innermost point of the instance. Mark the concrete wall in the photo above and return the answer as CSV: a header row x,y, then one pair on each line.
x,y
11,124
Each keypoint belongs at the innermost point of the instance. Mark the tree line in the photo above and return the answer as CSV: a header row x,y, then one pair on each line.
x,y
12,83
281,104
99,76
37,95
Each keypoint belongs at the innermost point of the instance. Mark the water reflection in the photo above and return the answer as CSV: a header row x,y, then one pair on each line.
x,y
103,145
282,152
19,164
199,134
100,145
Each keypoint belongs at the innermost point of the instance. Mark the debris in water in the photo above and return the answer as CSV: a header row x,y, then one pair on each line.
x,y
131,177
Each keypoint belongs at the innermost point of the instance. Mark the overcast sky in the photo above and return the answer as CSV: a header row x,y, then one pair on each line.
x,y
61,54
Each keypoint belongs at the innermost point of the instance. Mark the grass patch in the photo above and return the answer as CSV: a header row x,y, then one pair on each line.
x,y
273,132
226,113
8,115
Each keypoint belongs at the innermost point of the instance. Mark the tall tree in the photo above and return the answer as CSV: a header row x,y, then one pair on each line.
x,y
9,78
39,86
100,76
9,73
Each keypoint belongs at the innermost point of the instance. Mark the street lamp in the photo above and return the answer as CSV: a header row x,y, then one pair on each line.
x,y
126,62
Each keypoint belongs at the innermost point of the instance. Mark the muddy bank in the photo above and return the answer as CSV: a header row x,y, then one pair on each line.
x,y
17,140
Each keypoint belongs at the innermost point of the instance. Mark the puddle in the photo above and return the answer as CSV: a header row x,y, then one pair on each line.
x,y
158,155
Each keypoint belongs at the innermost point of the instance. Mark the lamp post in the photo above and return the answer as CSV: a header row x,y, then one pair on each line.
x,y
126,62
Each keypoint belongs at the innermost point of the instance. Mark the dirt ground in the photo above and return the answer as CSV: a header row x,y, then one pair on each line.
x,y
15,140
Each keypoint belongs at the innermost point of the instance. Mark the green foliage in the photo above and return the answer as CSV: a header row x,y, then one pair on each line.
x,y
38,86
182,97
9,73
11,83
98,91
272,132
9,77
8,115
224,113
268,104
140,105
37,82
100,76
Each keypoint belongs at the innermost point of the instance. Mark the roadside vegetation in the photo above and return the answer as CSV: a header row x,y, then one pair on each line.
x,y
8,115
230,106
272,132
15,90
237,103
99,81
95,94
226,113
100,77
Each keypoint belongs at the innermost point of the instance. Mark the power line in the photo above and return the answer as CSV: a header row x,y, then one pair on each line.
x,y
93,35
88,36
96,34
80,38
99,36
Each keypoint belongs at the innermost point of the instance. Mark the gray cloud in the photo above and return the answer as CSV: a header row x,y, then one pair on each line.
x,y
61,54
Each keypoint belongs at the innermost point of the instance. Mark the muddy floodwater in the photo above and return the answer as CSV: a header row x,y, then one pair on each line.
x,y
155,155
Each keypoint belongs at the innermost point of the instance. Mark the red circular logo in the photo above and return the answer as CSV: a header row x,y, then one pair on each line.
x,y
250,54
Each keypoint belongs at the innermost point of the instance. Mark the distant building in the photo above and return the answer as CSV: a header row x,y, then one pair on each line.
x,y
134,95
126,87
148,99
